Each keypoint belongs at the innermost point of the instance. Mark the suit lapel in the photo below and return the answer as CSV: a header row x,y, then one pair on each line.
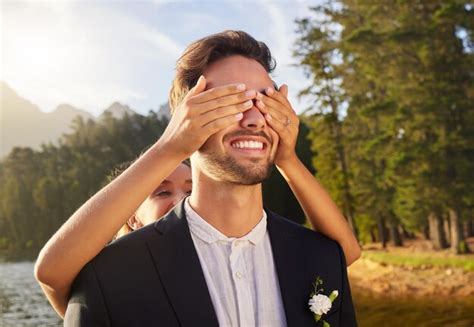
x,y
292,271
180,272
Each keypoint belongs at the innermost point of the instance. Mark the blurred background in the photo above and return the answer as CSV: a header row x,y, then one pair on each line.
x,y
385,94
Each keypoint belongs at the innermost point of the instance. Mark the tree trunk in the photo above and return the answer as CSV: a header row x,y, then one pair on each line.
x,y
382,230
458,242
447,228
426,231
437,235
373,237
407,234
395,235
337,134
469,224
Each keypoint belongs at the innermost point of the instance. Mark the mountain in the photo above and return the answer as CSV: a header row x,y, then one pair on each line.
x,y
60,119
118,110
164,111
22,123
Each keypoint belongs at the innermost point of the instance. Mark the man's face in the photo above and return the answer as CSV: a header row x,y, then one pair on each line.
x,y
244,152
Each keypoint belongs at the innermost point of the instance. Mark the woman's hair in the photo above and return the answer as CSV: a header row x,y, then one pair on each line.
x,y
202,53
117,171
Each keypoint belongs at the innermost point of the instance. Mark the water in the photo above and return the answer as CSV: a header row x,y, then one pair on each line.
x,y
408,312
22,303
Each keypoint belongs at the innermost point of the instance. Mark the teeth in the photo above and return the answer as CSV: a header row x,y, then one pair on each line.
x,y
248,145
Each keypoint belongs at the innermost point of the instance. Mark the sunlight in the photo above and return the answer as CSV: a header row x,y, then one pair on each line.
x,y
42,51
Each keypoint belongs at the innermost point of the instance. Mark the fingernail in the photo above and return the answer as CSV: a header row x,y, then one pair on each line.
x,y
269,90
199,80
250,93
239,116
260,104
241,87
248,104
268,117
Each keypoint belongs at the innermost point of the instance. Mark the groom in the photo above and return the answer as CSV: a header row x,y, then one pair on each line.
x,y
218,258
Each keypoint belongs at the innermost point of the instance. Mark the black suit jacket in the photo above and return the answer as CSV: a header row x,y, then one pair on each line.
x,y
153,277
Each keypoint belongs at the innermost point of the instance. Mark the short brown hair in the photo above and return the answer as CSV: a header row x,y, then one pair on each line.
x,y
202,53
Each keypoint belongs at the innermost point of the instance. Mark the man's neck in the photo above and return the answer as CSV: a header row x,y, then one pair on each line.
x,y
232,209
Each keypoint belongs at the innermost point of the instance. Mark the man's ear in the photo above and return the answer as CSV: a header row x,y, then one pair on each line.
x,y
134,223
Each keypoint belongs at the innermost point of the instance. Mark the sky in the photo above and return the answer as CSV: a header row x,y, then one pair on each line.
x,y
90,54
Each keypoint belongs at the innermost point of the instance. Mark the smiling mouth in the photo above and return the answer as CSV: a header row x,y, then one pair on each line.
x,y
249,148
248,145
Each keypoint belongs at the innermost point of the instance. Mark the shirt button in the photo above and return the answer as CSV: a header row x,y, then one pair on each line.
x,y
238,274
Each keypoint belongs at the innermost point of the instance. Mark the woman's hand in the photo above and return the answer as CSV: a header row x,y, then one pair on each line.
x,y
322,212
203,113
283,120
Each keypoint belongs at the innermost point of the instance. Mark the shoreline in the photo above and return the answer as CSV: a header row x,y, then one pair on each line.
x,y
414,271
391,281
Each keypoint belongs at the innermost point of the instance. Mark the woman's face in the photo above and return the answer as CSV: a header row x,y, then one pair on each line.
x,y
175,187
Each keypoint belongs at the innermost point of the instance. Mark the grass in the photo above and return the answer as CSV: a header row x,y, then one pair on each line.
x,y
418,260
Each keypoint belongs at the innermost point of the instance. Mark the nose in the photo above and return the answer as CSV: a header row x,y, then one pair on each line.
x,y
253,120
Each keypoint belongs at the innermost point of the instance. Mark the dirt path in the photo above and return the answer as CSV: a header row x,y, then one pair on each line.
x,y
398,281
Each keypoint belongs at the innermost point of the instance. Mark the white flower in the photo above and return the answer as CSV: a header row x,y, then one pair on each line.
x,y
320,304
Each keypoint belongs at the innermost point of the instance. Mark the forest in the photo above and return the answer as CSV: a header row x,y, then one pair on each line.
x,y
389,132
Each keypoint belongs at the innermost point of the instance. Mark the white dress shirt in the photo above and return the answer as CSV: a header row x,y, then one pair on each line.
x,y
239,272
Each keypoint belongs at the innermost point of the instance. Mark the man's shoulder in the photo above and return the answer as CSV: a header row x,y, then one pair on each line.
x,y
127,248
308,238
296,229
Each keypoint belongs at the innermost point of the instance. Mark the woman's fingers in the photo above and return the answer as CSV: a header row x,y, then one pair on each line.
x,y
221,112
278,126
284,90
279,107
225,101
278,96
218,92
277,110
198,88
218,124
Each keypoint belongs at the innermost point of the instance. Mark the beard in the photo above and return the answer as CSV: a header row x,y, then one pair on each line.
x,y
227,168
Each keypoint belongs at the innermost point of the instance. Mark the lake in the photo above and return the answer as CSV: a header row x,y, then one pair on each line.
x,y
22,303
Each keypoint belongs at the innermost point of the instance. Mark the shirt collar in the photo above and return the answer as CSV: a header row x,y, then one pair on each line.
x,y
207,233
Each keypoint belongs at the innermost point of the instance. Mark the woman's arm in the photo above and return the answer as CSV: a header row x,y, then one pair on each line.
x,y
95,223
318,206
320,209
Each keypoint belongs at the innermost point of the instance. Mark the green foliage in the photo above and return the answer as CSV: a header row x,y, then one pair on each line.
x,y
392,122
366,224
39,190
418,260
277,195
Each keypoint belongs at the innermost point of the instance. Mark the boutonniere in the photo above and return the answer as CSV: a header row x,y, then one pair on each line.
x,y
319,303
